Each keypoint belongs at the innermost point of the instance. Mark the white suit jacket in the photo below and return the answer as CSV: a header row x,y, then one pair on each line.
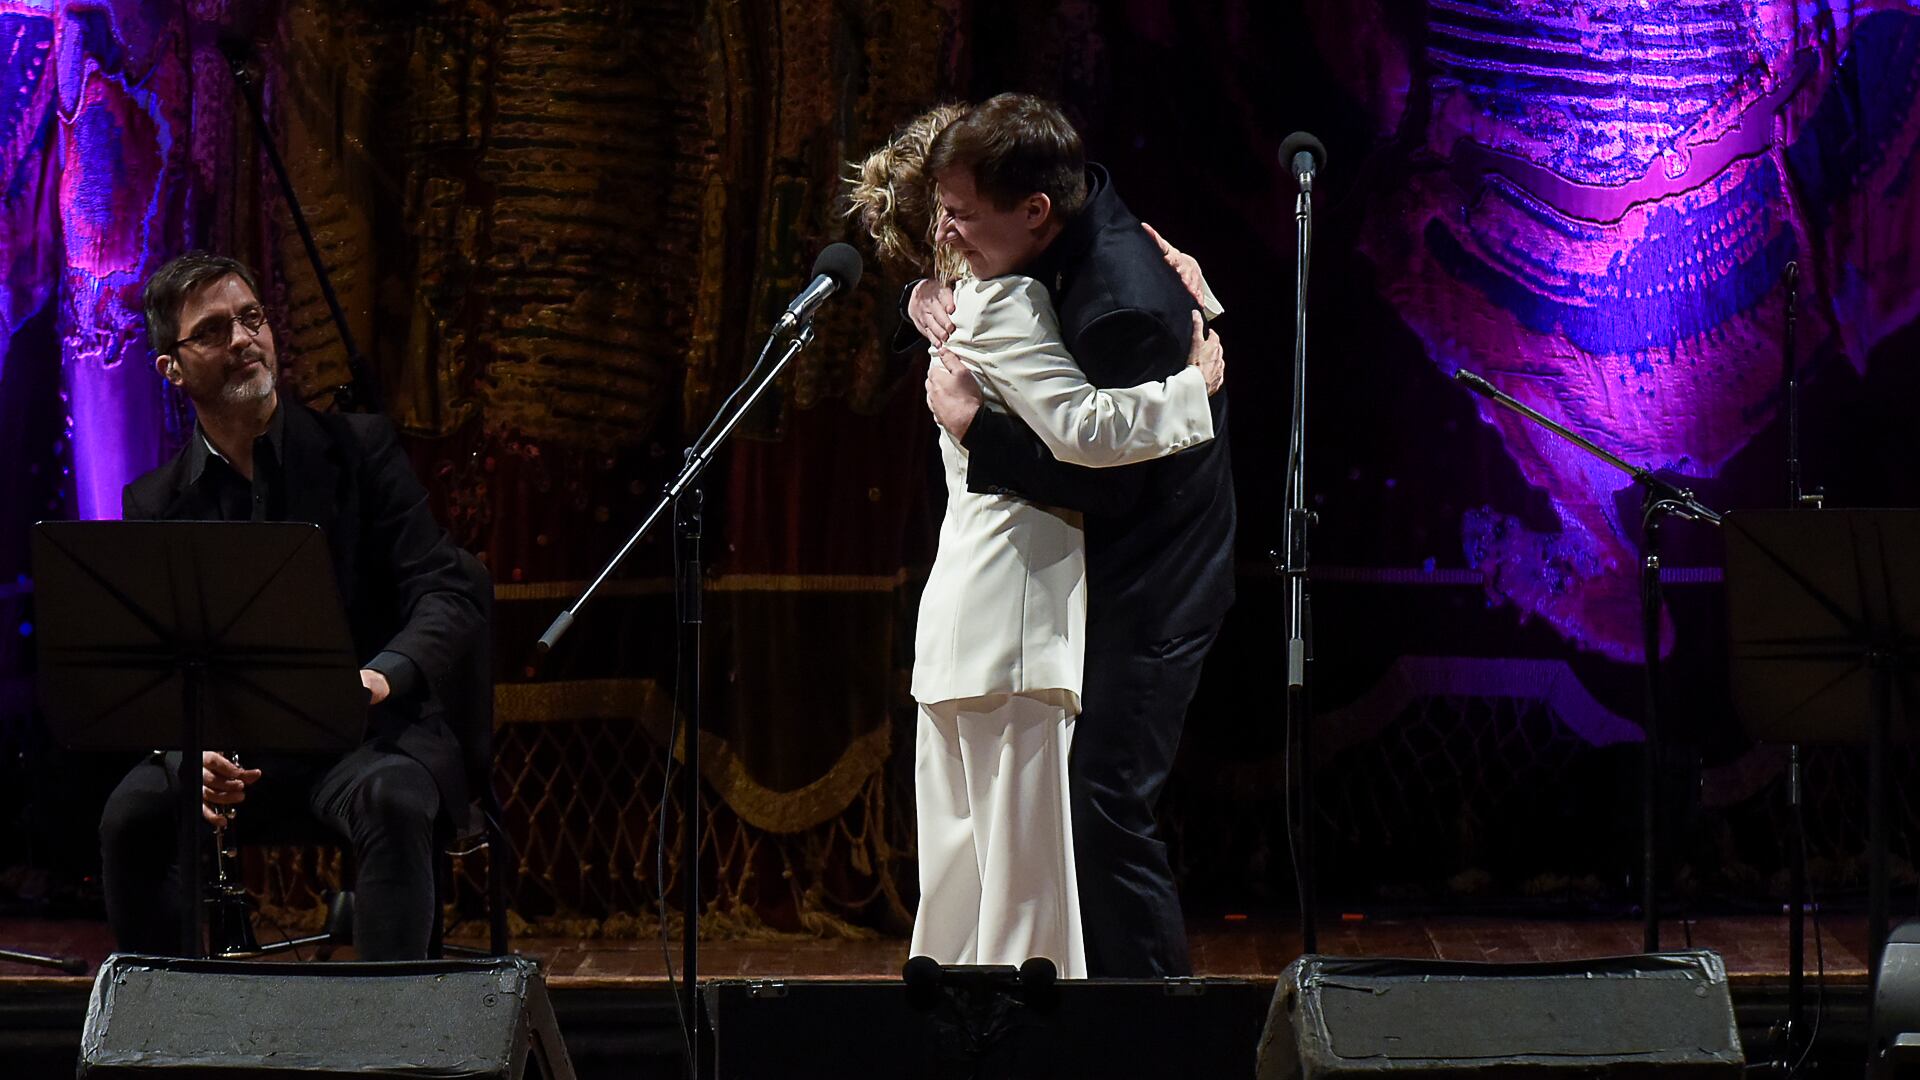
x,y
1005,607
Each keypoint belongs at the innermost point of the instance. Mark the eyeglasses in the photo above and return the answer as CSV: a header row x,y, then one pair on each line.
x,y
217,332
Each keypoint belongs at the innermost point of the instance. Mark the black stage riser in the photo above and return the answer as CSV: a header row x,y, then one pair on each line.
x,y
1182,1027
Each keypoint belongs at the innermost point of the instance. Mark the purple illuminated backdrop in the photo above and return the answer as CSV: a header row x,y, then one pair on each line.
x,y
115,124
1603,199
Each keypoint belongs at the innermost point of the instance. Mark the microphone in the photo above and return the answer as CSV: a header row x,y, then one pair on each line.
x,y
239,53
1303,155
1476,384
837,268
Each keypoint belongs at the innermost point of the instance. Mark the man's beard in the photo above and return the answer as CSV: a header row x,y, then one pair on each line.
x,y
257,387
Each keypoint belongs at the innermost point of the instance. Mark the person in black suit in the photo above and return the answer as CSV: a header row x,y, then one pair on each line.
x,y
413,611
1018,196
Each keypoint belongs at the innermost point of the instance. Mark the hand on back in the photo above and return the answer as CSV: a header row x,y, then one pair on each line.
x,y
931,309
1208,354
1183,264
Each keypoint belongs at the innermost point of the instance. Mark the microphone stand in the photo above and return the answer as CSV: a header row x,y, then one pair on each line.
x,y
1660,499
1794,1031
682,493
1299,519
361,391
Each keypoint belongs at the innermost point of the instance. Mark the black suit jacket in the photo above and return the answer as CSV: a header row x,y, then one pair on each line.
x,y
398,572
1159,533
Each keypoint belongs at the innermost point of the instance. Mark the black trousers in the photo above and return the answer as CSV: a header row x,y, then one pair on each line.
x,y
1134,704
375,800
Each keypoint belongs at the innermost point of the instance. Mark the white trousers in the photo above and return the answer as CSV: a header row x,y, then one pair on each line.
x,y
996,835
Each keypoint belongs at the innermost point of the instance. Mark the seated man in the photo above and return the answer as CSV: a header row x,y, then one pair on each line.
x,y
255,457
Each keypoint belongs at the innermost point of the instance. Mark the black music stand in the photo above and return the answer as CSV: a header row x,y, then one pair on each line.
x,y
188,634
1823,615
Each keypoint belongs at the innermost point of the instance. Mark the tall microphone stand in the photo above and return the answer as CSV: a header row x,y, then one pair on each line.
x,y
1299,521
682,492
1794,1033
1660,499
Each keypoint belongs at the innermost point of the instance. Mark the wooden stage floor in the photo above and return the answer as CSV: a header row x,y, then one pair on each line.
x,y
1255,947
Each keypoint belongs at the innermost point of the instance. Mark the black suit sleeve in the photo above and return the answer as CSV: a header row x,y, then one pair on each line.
x,y
1119,349
443,619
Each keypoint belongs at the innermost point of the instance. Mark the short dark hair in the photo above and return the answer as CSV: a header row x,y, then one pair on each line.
x,y
167,290
1016,145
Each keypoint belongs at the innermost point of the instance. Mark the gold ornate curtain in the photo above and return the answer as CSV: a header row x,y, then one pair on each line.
x,y
561,229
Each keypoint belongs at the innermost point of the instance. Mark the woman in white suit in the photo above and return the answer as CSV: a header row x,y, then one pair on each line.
x,y
1001,633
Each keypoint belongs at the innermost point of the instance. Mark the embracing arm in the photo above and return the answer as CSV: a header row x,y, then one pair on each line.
x,y
1014,343
1004,456
926,316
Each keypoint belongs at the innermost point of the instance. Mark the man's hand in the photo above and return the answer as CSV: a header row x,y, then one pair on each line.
x,y
931,309
952,395
222,784
1183,264
376,685
1208,354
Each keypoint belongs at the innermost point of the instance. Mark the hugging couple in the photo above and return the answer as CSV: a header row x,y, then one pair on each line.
x,y
1086,557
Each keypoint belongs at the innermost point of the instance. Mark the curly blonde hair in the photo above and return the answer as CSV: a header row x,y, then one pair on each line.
x,y
893,196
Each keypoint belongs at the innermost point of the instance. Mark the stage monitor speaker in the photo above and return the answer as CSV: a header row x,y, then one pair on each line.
x,y
1663,1014
1894,1052
871,1028
152,1017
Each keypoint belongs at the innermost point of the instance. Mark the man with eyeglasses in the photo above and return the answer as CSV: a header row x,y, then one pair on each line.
x,y
255,457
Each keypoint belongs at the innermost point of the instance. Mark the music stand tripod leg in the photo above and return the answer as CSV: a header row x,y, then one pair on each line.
x,y
72,965
1881,674
193,693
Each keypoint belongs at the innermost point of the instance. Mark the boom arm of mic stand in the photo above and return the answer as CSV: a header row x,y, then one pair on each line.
x,y
1671,498
1661,497
361,390
697,457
